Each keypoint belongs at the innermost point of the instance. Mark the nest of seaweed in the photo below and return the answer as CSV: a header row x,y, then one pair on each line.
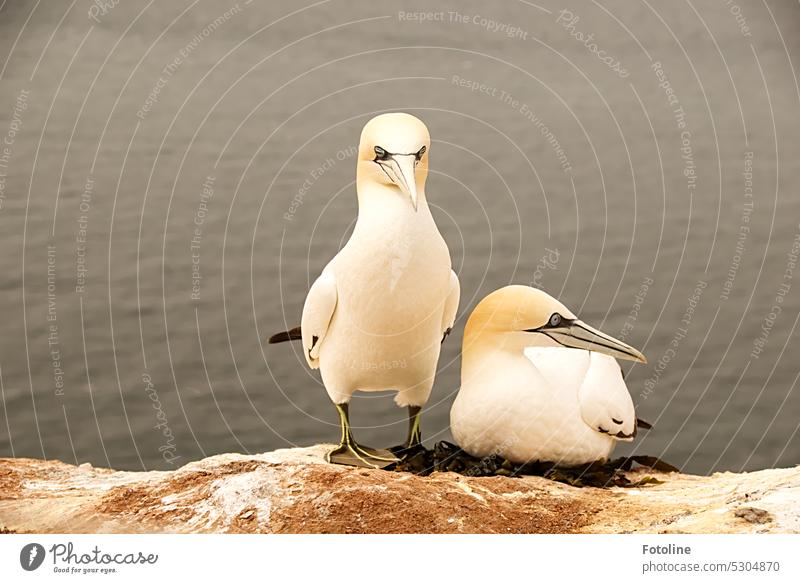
x,y
447,457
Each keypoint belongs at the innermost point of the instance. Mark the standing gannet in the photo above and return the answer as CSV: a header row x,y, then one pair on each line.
x,y
537,384
375,318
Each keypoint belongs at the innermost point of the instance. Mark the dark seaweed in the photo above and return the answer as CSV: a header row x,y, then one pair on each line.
x,y
447,457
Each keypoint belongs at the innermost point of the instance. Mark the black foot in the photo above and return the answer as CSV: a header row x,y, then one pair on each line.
x,y
362,457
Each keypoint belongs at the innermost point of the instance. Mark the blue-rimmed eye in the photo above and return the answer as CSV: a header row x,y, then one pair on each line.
x,y
421,153
381,154
555,320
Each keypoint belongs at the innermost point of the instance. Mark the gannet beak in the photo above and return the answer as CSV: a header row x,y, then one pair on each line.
x,y
404,167
577,334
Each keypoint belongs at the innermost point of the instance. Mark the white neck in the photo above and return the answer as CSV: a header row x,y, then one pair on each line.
x,y
480,348
387,201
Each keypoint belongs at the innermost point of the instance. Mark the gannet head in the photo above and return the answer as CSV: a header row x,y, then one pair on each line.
x,y
393,152
519,309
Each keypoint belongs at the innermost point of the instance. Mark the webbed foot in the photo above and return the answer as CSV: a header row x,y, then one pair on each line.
x,y
352,454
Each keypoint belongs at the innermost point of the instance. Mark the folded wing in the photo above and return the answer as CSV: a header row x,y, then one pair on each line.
x,y
604,400
451,305
317,314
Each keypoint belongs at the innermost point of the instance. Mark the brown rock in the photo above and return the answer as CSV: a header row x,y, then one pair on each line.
x,y
754,515
295,491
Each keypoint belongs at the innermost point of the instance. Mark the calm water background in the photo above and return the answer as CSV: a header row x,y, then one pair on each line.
x,y
557,170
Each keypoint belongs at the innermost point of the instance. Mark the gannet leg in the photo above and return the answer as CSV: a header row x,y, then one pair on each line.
x,y
413,442
414,433
349,453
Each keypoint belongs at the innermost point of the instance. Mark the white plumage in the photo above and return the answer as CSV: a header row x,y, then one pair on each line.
x,y
381,307
530,388
375,318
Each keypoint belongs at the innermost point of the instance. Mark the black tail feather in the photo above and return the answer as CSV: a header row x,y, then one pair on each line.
x,y
289,335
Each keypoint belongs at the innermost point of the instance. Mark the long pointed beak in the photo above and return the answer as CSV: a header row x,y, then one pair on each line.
x,y
577,334
404,166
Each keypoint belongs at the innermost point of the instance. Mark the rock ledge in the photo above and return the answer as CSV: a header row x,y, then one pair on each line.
x,y
295,491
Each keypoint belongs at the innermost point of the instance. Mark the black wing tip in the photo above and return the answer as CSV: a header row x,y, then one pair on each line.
x,y
446,334
641,423
287,336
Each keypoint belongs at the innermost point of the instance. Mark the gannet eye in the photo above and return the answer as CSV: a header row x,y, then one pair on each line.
x,y
555,320
421,153
381,154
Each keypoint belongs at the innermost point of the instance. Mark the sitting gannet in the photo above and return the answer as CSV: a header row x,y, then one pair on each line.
x,y
375,318
537,384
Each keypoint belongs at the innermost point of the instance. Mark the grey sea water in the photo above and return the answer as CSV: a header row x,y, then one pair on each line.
x,y
174,175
